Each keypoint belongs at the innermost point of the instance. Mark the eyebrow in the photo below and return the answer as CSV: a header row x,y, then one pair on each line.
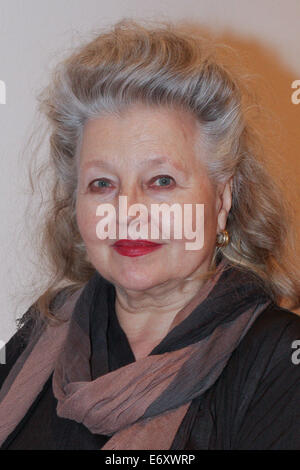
x,y
147,162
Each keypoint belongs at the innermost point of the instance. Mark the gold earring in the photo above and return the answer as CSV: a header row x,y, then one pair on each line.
x,y
222,238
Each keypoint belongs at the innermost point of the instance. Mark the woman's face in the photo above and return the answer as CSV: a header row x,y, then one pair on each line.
x,y
147,155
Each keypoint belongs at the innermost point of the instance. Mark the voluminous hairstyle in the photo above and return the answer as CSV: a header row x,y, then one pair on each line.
x,y
164,65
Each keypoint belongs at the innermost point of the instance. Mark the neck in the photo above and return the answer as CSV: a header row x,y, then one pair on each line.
x,y
146,316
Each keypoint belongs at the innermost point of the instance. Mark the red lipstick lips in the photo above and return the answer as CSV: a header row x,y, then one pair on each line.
x,y
135,247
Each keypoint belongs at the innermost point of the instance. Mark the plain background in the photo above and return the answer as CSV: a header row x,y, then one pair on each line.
x,y
35,34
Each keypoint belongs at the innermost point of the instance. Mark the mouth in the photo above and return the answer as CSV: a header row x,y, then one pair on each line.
x,y
133,248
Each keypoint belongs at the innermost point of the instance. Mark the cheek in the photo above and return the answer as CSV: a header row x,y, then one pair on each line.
x,y
86,221
210,226
208,198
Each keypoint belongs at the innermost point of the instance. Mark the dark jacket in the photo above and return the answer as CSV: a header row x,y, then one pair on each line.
x,y
253,405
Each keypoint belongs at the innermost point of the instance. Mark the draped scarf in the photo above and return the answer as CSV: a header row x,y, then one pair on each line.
x,y
142,404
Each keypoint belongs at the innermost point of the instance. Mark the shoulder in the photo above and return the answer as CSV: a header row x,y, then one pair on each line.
x,y
257,396
30,325
16,345
274,315
275,335
267,411
266,362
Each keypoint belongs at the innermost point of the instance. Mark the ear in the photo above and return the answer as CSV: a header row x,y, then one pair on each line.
x,y
224,201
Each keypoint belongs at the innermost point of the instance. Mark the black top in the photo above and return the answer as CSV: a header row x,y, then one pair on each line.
x,y
253,405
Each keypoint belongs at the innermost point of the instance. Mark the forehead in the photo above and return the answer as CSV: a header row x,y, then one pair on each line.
x,y
159,134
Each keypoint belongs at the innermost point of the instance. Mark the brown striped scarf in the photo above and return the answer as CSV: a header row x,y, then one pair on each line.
x,y
140,405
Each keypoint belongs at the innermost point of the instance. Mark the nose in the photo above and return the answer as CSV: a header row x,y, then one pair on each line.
x,y
131,195
134,193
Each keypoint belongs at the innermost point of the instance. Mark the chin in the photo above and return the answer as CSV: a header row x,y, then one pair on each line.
x,y
136,281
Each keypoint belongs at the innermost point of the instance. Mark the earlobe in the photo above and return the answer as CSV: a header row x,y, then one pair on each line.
x,y
226,201
222,219
227,195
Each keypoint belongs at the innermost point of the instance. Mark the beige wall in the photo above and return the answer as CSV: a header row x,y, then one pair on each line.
x,y
36,33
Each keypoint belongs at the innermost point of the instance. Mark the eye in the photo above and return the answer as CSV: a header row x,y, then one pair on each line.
x,y
99,185
164,181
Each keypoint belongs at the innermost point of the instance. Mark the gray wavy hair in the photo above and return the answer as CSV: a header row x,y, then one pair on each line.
x,y
164,65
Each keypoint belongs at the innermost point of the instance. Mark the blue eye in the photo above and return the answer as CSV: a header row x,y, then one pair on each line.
x,y
98,185
166,181
101,184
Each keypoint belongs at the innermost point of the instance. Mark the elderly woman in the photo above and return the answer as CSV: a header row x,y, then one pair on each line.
x,y
144,342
